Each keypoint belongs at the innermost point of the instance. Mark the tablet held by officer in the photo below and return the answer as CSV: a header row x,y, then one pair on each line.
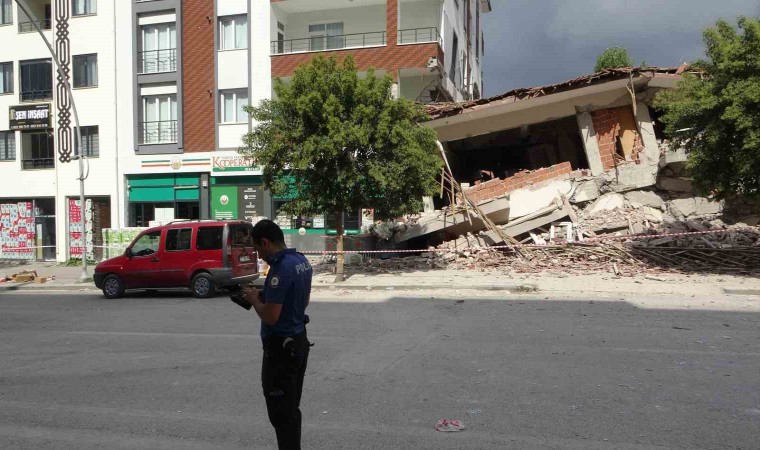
x,y
281,305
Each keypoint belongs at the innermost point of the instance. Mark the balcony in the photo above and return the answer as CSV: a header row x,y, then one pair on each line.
x,y
161,132
38,163
419,36
28,26
34,96
329,43
157,61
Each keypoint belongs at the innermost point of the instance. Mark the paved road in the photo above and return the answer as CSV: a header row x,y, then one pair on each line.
x,y
79,371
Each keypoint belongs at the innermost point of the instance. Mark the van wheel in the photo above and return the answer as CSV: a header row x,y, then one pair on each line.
x,y
113,287
203,286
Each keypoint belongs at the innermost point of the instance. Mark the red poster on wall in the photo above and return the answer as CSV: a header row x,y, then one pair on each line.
x,y
17,232
79,237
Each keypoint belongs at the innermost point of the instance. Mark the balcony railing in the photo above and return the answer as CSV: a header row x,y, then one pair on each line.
x,y
328,43
418,35
38,163
162,132
31,96
28,27
155,61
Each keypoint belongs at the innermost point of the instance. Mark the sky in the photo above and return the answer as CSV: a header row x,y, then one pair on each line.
x,y
538,42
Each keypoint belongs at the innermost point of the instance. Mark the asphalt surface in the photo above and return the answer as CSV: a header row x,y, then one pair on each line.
x,y
78,371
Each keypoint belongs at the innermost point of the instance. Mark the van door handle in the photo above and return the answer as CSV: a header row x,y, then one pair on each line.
x,y
154,259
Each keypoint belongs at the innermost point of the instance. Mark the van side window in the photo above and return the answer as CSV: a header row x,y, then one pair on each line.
x,y
242,235
178,240
147,244
209,238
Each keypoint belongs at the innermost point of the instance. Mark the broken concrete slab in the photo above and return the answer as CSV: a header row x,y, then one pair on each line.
x,y
669,157
638,199
529,200
651,214
457,223
675,184
630,177
607,202
525,224
682,208
585,191
705,206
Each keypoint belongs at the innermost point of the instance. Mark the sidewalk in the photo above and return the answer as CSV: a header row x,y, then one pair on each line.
x,y
67,279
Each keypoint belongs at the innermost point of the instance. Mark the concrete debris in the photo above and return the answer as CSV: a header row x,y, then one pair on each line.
x,y
585,190
607,202
675,184
638,199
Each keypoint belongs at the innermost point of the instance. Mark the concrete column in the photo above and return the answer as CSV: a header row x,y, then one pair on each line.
x,y
646,128
590,144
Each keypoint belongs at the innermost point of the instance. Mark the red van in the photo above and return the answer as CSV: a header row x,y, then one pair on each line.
x,y
202,255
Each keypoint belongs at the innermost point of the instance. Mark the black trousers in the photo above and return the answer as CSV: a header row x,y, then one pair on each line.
x,y
282,373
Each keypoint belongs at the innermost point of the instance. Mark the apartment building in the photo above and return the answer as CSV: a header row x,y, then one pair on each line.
x,y
160,87
39,186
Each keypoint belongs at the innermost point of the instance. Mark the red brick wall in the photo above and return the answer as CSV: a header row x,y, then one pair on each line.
x,y
390,58
607,127
198,88
498,187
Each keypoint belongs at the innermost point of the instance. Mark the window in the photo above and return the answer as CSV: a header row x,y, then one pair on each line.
x,y
326,36
209,238
147,244
38,150
280,38
6,12
454,57
84,7
232,107
159,48
90,142
6,78
233,32
36,80
178,240
85,70
7,146
159,123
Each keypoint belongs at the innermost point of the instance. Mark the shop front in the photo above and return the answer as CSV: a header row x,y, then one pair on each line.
x,y
27,229
165,197
97,213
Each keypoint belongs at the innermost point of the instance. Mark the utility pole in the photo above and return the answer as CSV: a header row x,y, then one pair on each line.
x,y
80,154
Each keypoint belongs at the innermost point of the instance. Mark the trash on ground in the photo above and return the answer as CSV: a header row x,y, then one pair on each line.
x,y
449,425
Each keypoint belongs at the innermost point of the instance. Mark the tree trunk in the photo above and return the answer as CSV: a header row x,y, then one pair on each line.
x,y
339,274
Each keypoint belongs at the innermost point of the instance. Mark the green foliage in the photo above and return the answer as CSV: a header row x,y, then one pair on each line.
x,y
340,142
612,58
716,116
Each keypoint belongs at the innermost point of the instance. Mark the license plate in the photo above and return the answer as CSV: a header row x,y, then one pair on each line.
x,y
245,258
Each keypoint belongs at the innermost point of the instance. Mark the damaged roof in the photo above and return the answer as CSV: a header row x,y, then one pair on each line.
x,y
441,110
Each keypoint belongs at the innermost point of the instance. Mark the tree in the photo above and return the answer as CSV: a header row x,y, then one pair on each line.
x,y
337,142
715,114
612,58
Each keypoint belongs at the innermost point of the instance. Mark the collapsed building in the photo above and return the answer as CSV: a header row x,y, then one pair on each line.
x,y
578,159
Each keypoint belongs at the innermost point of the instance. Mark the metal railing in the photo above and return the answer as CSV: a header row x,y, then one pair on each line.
x,y
162,132
29,96
155,61
419,35
28,27
328,43
38,163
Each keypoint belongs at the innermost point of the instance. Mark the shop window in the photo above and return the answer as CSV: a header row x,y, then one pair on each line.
x,y
209,238
147,244
7,146
178,240
233,32
85,70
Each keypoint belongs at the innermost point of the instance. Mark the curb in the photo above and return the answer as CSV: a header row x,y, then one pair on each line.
x,y
512,288
737,291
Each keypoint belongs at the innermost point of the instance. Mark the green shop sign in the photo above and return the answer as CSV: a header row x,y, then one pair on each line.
x,y
234,164
224,202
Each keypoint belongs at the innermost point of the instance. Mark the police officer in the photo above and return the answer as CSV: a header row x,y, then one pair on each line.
x,y
281,306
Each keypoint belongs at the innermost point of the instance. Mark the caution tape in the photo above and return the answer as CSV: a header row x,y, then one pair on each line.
x,y
556,243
